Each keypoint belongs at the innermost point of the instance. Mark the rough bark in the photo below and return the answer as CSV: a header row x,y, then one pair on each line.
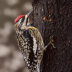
x,y
54,18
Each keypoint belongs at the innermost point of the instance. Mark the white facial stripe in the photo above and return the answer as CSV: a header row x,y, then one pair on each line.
x,y
25,19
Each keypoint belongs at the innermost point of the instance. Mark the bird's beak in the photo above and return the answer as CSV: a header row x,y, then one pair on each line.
x,y
28,13
26,16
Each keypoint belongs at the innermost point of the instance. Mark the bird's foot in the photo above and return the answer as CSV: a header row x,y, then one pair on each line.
x,y
51,42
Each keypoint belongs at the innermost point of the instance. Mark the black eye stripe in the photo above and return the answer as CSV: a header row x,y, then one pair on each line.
x,y
22,19
20,24
26,21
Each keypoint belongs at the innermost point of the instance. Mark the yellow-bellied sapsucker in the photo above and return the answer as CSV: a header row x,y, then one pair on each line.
x,y
30,42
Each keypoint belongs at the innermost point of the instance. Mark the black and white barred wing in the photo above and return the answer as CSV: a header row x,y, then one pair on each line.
x,y
38,41
25,42
38,47
32,47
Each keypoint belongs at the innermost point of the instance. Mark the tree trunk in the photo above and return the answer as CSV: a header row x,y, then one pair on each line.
x,y
54,18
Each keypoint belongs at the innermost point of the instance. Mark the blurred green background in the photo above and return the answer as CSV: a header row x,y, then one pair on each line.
x,y
11,59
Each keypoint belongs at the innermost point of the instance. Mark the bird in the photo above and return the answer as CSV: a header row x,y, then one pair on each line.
x,y
30,42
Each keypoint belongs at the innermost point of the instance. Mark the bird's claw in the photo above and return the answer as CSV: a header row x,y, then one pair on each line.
x,y
51,42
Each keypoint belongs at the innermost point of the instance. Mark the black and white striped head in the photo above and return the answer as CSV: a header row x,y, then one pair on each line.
x,y
22,20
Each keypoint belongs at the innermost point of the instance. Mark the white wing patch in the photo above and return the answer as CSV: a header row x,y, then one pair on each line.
x,y
35,45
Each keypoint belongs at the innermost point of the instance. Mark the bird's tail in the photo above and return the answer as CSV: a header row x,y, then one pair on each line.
x,y
35,68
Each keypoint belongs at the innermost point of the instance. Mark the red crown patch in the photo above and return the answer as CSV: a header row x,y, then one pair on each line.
x,y
21,16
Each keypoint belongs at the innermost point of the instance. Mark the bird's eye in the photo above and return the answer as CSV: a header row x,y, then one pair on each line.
x,y
22,20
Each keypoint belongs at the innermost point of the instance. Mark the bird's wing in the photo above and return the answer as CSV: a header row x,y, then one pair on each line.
x,y
25,42
38,42
32,46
